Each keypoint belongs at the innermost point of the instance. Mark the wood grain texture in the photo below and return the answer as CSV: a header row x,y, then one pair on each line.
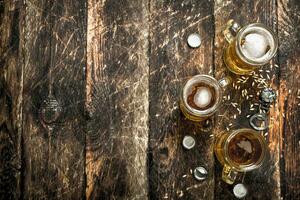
x,y
289,62
116,69
55,45
236,115
117,100
11,27
171,63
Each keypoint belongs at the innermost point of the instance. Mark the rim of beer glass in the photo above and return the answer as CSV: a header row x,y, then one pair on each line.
x,y
208,80
239,51
252,166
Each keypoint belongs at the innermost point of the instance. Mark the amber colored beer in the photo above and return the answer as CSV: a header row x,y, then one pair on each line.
x,y
240,151
201,96
251,47
234,63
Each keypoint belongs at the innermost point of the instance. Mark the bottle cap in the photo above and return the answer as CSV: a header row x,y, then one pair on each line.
x,y
240,191
188,142
200,173
194,40
268,95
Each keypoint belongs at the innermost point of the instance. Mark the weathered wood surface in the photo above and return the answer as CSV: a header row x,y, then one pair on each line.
x,y
171,63
289,104
238,107
116,69
54,50
11,25
117,100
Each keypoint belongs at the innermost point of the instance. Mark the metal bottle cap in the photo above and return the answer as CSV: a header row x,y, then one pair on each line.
x,y
194,40
240,191
188,142
200,173
268,95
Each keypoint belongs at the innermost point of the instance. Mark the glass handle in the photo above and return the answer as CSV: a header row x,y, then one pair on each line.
x,y
231,27
224,82
228,174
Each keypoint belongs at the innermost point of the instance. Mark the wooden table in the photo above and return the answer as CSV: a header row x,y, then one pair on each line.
x,y
89,99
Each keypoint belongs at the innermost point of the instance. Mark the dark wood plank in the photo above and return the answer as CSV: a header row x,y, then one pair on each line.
x,y
11,31
264,182
171,63
289,62
54,144
117,99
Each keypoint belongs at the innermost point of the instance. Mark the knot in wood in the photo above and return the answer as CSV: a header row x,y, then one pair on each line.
x,y
50,110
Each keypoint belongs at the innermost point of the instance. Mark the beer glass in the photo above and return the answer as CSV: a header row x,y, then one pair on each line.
x,y
240,151
201,96
249,48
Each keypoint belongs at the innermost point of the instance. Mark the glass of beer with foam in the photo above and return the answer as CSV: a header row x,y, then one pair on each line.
x,y
242,150
249,47
201,96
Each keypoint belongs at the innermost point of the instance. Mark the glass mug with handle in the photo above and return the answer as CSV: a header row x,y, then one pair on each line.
x,y
201,96
240,151
249,48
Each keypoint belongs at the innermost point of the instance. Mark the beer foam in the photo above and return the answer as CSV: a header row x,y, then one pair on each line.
x,y
245,145
255,45
203,97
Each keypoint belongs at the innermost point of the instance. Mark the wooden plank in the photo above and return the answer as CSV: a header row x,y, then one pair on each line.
x,y
11,31
54,142
267,178
171,63
289,104
117,100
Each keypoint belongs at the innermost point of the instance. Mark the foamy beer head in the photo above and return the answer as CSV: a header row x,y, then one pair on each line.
x,y
200,97
249,47
256,44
